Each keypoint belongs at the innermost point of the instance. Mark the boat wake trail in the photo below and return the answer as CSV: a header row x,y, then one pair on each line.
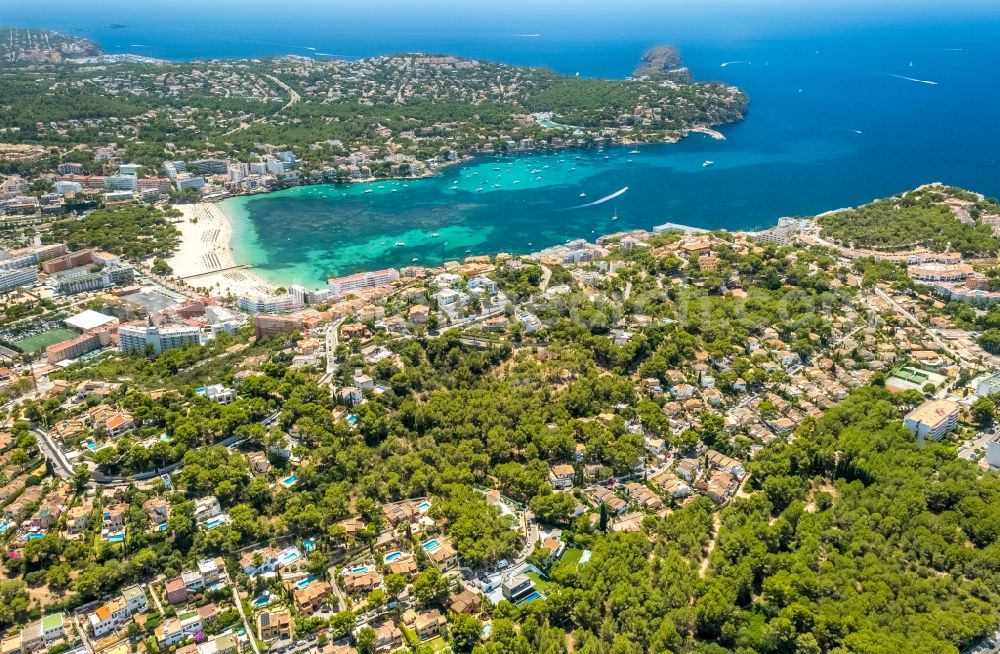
x,y
602,200
731,63
913,79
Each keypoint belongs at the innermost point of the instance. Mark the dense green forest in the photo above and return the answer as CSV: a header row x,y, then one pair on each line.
x,y
856,541
135,232
917,218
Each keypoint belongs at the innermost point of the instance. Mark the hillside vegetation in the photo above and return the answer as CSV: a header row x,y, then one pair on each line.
x,y
917,218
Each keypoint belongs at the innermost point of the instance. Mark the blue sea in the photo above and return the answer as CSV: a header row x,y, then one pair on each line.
x,y
848,102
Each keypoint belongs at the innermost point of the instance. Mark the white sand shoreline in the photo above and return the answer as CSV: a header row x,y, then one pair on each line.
x,y
204,259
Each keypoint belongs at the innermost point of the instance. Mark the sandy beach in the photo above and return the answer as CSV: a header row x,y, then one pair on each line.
x,y
204,260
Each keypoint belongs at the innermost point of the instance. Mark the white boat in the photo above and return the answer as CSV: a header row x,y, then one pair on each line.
x,y
633,152
368,190
434,235
708,163
516,181
535,171
615,216
413,260
398,244
583,195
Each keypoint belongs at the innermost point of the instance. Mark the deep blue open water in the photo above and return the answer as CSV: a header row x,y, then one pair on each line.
x,y
832,120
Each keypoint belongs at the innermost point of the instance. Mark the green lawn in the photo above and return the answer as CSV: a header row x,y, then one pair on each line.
x,y
541,585
437,644
39,342
572,556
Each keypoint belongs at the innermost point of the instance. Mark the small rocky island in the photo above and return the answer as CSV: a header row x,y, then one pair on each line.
x,y
664,62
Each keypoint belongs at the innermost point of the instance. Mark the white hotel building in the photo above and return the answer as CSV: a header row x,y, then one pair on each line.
x,y
133,337
932,419
268,303
341,286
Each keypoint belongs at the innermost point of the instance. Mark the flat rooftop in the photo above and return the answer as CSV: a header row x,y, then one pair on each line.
x,y
152,299
87,320
934,412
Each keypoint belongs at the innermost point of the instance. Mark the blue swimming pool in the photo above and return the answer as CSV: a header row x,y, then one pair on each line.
x,y
289,480
116,538
424,506
302,583
431,544
392,556
289,555
351,419
309,544
91,445
261,600
213,523
530,598
358,569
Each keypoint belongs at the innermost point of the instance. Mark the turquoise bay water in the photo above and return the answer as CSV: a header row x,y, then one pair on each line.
x,y
512,203
841,112
832,123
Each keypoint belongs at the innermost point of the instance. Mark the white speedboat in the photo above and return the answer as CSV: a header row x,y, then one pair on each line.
x,y
708,163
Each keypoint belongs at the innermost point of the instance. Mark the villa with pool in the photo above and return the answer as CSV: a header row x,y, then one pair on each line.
x,y
441,553
270,560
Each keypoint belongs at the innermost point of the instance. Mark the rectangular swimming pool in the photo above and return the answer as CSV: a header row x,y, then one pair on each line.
x,y
431,544
302,583
289,556
530,598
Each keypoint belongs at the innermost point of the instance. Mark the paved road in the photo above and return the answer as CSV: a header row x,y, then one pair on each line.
x,y
546,276
51,451
54,453
251,634
913,320
293,97
332,341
